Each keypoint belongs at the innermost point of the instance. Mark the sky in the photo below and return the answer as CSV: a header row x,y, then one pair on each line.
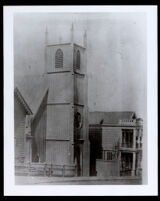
x,y
116,54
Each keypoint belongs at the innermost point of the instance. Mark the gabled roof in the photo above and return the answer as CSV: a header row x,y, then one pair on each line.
x,y
43,102
21,99
33,88
109,117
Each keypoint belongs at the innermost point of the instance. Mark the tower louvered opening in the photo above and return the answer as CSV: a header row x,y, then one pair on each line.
x,y
59,59
78,60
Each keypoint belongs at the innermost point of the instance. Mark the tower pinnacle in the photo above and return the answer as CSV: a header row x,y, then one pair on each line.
x,y
45,49
85,39
46,36
72,32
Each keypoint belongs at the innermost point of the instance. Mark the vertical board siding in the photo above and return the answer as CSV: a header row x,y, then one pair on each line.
x,y
60,88
107,168
58,152
58,122
19,126
79,85
39,134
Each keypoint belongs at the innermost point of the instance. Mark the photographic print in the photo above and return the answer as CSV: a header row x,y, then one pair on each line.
x,y
80,98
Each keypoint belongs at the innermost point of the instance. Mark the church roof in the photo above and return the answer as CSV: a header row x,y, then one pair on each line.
x,y
109,117
33,88
19,95
42,102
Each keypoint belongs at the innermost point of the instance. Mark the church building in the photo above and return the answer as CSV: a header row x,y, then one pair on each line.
x,y
59,129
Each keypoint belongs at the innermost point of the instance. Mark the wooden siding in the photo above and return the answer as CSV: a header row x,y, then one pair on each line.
x,y
19,126
110,137
58,152
60,88
79,87
39,134
107,168
59,134
58,122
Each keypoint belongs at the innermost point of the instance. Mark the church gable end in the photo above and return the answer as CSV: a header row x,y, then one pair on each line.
x,y
39,132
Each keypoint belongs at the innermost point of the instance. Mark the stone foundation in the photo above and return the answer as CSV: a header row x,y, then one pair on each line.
x,y
42,169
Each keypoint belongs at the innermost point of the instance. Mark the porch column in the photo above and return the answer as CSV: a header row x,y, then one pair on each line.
x,y
134,138
139,142
138,164
133,164
119,162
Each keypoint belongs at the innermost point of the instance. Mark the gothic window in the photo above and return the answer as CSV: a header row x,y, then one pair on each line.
x,y
78,120
59,59
78,59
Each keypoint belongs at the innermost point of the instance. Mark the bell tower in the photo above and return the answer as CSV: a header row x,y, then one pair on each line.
x,y
67,109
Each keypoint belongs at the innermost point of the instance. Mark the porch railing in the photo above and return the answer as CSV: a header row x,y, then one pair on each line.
x,y
130,122
109,155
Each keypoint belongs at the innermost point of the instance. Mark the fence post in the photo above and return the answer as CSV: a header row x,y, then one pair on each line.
x,y
29,169
50,174
75,170
63,171
45,169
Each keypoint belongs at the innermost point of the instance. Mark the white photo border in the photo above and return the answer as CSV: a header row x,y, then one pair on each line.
x,y
150,187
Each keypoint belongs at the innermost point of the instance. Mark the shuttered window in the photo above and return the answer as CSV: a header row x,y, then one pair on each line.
x,y
59,59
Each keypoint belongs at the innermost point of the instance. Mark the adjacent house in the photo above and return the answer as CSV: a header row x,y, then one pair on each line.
x,y
115,143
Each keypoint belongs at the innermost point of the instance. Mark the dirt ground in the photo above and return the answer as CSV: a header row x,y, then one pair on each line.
x,y
35,180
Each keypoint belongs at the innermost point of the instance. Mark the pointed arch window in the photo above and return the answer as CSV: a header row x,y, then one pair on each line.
x,y
59,59
78,58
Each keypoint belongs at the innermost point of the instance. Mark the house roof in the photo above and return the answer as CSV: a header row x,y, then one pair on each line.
x,y
109,117
33,88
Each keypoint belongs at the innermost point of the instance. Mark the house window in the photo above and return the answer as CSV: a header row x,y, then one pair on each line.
x,y
59,59
78,59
